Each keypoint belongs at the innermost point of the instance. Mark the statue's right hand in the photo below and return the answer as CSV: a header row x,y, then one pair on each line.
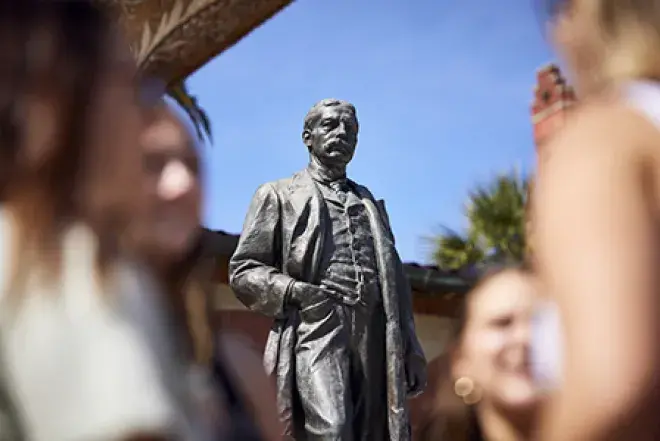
x,y
315,303
304,295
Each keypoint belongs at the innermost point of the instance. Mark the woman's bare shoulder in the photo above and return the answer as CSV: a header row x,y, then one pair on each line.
x,y
602,129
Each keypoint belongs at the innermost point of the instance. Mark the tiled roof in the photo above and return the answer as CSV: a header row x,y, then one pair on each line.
x,y
423,278
431,279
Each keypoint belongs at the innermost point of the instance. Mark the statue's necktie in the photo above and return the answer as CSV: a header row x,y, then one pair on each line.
x,y
341,188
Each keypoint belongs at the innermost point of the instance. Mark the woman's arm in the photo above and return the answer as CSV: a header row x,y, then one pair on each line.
x,y
597,250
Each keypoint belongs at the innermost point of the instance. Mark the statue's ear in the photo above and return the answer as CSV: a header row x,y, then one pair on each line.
x,y
307,138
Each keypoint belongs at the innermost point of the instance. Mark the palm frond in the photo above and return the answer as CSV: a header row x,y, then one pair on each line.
x,y
496,215
179,93
453,251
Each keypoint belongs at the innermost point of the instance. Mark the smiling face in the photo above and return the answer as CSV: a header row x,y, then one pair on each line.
x,y
331,133
170,218
494,348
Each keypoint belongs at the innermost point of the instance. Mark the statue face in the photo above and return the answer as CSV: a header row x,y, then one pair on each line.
x,y
333,138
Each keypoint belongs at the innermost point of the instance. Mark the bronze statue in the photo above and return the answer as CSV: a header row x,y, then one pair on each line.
x,y
317,254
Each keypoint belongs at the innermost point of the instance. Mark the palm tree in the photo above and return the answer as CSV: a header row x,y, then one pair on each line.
x,y
496,226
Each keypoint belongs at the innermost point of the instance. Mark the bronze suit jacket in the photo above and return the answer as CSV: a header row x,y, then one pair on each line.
x,y
282,240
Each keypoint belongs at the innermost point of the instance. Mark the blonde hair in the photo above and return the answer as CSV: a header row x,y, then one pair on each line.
x,y
630,32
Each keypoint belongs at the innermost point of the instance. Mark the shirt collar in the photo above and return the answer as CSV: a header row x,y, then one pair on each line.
x,y
325,176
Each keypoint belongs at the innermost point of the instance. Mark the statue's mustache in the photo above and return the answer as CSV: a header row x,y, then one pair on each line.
x,y
338,142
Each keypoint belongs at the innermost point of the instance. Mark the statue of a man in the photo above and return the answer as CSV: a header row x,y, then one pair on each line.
x,y
317,254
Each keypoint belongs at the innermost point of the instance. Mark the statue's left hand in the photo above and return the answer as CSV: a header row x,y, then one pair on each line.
x,y
415,375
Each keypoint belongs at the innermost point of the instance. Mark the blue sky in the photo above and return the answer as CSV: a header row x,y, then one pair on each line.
x,y
442,88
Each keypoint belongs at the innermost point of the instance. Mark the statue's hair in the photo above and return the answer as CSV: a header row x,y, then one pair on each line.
x,y
314,113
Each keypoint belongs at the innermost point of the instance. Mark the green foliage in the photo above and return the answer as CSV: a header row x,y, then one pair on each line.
x,y
496,226
179,92
454,250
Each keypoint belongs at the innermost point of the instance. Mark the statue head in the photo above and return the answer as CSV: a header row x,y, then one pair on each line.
x,y
330,132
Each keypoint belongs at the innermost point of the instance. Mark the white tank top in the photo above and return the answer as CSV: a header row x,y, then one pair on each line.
x,y
546,345
82,359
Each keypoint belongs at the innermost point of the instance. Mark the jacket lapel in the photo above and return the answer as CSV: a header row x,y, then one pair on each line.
x,y
385,258
381,221
308,232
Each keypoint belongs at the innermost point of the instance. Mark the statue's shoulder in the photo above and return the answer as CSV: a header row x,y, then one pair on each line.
x,y
278,187
284,183
273,186
363,189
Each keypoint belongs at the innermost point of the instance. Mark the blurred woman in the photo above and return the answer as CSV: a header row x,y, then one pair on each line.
x,y
597,202
485,391
75,353
227,377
